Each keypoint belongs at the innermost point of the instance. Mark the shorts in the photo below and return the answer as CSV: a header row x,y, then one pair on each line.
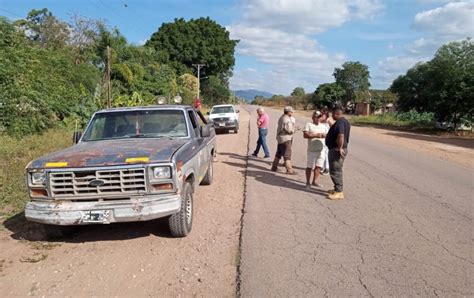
x,y
316,159
284,150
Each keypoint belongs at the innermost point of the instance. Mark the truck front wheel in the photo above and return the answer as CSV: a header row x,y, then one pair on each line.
x,y
180,224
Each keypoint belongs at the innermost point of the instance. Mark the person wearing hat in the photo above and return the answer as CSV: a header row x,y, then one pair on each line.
x,y
315,132
285,131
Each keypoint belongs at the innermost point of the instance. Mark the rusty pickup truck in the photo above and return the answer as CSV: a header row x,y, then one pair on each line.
x,y
130,164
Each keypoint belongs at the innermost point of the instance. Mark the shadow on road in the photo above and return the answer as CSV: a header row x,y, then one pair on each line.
x,y
256,159
277,179
25,230
459,142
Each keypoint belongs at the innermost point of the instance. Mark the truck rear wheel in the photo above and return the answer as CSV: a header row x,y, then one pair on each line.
x,y
209,174
180,224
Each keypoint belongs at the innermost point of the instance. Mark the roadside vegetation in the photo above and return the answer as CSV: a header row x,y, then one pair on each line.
x,y
430,93
411,119
15,154
53,71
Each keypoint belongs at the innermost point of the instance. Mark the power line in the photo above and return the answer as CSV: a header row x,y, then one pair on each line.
x,y
109,9
12,13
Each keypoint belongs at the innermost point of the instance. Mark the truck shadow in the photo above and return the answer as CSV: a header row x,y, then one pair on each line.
x,y
21,229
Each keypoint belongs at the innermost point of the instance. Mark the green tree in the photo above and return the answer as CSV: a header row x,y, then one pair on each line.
x,y
214,91
328,95
352,77
443,85
298,92
196,41
43,27
453,80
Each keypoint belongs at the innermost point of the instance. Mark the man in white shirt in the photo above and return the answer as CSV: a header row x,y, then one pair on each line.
x,y
315,132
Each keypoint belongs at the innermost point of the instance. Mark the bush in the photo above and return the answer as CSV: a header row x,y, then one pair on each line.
x,y
407,119
412,116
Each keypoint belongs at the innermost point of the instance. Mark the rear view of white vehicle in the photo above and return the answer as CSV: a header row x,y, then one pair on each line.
x,y
224,118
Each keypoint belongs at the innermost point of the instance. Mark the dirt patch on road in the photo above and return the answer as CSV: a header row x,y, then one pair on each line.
x,y
138,259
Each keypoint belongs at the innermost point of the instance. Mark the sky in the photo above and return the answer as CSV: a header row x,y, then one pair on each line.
x,y
289,43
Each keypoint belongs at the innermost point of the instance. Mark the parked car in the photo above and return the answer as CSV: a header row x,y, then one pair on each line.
x,y
225,118
131,164
449,126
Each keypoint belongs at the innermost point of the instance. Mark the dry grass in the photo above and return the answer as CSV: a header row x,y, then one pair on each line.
x,y
15,154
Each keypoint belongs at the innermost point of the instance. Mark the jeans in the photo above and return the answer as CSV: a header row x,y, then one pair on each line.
x,y
336,161
262,142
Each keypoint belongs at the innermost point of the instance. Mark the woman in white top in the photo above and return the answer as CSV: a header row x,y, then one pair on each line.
x,y
315,132
326,120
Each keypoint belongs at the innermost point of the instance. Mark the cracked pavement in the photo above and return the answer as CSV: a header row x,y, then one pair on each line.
x,y
405,228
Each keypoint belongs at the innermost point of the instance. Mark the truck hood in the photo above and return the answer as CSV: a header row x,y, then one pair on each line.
x,y
111,152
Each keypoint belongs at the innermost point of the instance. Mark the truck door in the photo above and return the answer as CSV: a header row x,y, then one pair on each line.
x,y
202,154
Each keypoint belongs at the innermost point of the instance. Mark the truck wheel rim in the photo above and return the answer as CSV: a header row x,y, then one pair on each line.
x,y
189,210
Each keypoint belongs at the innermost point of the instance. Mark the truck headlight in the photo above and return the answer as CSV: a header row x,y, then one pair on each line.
x,y
162,173
38,178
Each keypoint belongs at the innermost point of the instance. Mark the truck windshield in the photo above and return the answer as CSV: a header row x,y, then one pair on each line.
x,y
222,110
137,124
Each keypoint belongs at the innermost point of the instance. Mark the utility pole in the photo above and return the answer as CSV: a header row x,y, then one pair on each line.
x,y
109,84
199,66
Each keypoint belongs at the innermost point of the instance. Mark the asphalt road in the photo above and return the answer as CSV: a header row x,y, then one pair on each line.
x,y
404,229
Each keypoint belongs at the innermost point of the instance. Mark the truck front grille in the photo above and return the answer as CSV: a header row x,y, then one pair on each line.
x,y
97,182
223,119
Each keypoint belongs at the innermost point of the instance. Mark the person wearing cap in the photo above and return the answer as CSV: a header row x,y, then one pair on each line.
x,y
285,131
315,132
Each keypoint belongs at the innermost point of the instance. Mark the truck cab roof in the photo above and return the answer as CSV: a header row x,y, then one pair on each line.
x,y
151,107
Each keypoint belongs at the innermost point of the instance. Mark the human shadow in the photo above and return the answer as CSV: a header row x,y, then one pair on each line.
x,y
255,159
23,229
454,141
281,180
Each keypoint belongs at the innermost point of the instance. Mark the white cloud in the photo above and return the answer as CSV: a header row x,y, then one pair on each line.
x,y
449,22
280,33
453,20
297,55
391,67
307,16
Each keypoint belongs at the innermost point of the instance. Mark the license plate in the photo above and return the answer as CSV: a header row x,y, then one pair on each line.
x,y
96,216
221,124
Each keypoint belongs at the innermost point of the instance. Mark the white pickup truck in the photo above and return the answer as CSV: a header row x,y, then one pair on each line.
x,y
225,118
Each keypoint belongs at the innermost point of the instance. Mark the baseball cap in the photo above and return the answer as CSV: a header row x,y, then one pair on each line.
x,y
288,109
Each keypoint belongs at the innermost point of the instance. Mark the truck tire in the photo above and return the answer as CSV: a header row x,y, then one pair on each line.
x,y
180,224
236,130
210,173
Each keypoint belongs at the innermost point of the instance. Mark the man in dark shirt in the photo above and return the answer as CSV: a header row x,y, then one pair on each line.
x,y
337,141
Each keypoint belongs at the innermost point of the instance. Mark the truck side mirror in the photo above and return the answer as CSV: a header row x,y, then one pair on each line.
x,y
76,137
206,131
208,113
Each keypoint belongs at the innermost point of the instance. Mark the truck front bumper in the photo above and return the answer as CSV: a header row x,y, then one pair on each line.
x,y
76,213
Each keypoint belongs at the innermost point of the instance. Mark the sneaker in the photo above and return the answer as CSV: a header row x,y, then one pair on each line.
x,y
267,157
331,191
336,196
325,172
253,155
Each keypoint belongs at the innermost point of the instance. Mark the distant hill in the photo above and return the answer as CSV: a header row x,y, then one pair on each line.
x,y
250,94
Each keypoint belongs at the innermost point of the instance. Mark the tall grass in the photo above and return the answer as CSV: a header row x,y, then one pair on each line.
x,y
15,154
406,119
